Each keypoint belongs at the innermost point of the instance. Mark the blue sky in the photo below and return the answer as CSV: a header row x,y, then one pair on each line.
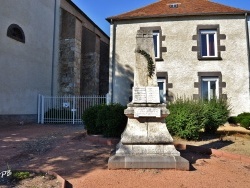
x,y
99,10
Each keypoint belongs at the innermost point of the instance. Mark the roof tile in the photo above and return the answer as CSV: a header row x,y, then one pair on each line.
x,y
185,8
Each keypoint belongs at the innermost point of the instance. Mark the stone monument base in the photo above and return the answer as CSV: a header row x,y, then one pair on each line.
x,y
146,141
147,162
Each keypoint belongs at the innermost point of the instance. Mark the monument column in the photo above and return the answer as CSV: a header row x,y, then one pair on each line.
x,y
146,142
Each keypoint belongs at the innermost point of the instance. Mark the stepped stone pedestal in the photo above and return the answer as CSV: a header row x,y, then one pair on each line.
x,y
146,141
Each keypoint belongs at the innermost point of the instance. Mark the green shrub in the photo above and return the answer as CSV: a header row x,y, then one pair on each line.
x,y
216,112
186,118
108,120
89,118
242,116
244,119
112,119
245,123
232,120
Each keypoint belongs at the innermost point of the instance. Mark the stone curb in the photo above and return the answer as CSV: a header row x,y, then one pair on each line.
x,y
214,152
64,182
98,139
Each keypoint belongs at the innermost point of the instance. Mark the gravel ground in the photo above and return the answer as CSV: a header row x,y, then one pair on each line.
x,y
66,151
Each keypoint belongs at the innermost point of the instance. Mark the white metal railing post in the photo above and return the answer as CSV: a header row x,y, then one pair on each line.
x,y
108,98
42,110
38,109
73,110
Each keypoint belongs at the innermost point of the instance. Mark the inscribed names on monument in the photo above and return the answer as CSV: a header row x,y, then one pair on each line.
x,y
139,95
146,95
153,95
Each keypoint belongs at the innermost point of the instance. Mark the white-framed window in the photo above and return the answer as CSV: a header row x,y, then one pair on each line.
x,y
208,43
156,38
209,88
162,89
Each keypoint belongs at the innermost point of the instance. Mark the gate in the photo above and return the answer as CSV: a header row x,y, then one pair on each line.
x,y
66,109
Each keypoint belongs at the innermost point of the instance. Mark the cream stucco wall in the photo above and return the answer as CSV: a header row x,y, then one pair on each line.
x,y
180,62
26,68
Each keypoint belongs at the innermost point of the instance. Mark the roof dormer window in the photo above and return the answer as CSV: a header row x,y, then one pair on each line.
x,y
173,5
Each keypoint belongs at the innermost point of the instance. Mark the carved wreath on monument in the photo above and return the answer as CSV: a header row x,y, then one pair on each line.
x,y
151,65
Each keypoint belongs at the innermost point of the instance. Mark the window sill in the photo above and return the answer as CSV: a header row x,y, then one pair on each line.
x,y
159,59
209,58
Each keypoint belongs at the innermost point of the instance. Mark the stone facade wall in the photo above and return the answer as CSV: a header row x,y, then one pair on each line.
x,y
104,69
180,62
82,55
84,71
95,59
70,61
70,56
90,63
90,74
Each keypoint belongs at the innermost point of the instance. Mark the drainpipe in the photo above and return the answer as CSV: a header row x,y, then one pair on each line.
x,y
248,48
53,50
112,62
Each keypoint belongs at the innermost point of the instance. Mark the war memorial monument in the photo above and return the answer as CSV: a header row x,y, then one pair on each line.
x,y
146,141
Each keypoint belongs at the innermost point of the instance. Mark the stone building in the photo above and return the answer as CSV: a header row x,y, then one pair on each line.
x,y
48,47
201,51
84,50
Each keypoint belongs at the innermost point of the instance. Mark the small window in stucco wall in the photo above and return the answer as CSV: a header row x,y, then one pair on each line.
x,y
158,38
164,86
15,32
209,86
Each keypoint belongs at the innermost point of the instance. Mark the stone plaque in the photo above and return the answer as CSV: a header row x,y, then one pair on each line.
x,y
147,112
146,95
139,95
153,95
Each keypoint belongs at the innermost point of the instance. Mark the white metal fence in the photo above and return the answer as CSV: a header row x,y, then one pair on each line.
x,y
66,109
